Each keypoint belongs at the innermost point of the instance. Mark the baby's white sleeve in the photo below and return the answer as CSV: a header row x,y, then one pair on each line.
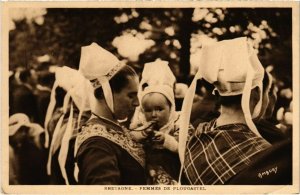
x,y
170,143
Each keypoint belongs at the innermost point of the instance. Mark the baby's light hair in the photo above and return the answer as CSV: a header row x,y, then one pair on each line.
x,y
168,101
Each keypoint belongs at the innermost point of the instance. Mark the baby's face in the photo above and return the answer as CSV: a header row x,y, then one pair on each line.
x,y
156,108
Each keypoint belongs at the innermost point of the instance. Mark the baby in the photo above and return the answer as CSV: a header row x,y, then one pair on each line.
x,y
156,123
157,111
159,130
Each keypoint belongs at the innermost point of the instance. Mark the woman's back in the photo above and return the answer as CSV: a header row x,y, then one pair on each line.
x,y
216,154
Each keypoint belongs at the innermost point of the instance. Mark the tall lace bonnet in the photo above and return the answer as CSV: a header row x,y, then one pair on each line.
x,y
99,66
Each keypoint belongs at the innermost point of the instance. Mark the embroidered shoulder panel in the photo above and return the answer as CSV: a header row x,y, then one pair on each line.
x,y
121,138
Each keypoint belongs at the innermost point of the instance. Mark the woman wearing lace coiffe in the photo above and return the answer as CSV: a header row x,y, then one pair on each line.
x,y
27,157
63,119
158,118
105,152
225,146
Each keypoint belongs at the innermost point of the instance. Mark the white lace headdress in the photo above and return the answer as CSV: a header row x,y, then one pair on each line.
x,y
99,66
77,88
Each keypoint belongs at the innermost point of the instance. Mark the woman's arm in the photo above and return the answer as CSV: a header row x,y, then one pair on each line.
x,y
98,163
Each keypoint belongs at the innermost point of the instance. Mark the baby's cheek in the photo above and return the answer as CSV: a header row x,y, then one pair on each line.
x,y
147,116
165,118
165,121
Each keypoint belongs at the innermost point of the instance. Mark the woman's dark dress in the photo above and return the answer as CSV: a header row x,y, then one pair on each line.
x,y
107,155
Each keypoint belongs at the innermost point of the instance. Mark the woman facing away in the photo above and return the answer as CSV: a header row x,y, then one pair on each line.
x,y
68,109
105,152
227,145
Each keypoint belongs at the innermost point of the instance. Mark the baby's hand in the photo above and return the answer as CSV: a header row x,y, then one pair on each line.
x,y
148,131
159,137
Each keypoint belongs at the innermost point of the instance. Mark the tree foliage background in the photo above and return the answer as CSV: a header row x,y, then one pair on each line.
x,y
141,35
176,33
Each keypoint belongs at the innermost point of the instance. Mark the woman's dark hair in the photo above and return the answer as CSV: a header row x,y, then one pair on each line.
x,y
236,100
229,101
59,96
266,82
207,85
46,79
203,83
118,81
25,75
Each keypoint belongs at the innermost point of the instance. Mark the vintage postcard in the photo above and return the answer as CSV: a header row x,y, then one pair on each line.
x,y
140,97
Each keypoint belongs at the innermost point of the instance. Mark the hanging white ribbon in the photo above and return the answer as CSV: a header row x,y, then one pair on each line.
x,y
57,132
68,134
255,61
63,153
90,97
185,121
246,100
76,169
49,113
107,92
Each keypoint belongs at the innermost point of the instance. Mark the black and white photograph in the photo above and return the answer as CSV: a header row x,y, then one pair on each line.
x,y
150,97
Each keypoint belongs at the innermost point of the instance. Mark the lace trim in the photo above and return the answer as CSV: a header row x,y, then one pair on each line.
x,y
118,137
96,83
